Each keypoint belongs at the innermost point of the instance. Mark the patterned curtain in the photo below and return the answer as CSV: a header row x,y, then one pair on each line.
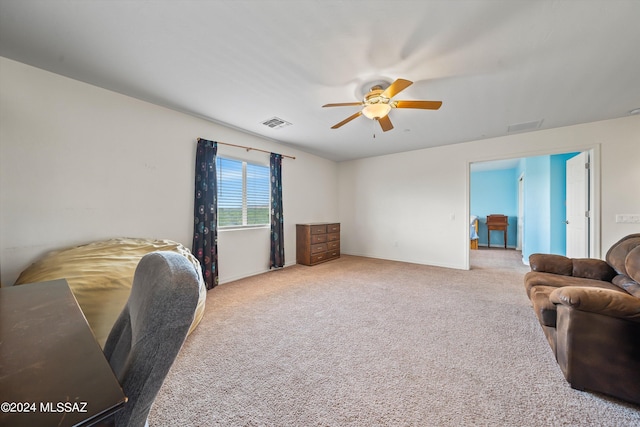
x,y
205,228
277,221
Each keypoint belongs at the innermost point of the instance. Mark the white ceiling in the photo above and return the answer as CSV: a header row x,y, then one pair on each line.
x,y
493,63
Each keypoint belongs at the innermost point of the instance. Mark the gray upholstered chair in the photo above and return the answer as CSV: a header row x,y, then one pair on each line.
x,y
150,331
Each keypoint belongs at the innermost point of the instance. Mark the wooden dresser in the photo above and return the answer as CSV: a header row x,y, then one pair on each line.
x,y
317,242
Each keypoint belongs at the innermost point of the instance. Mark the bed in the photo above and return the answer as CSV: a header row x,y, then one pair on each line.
x,y
100,275
473,231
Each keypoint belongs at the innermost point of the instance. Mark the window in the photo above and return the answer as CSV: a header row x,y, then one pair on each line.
x,y
243,193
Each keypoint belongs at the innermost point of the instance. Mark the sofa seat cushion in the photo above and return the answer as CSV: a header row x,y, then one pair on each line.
x,y
537,278
543,307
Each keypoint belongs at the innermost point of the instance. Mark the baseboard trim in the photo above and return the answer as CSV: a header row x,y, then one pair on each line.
x,y
255,273
484,245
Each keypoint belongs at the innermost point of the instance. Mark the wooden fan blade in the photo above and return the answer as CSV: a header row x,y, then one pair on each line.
x,y
343,104
396,87
424,105
347,120
385,123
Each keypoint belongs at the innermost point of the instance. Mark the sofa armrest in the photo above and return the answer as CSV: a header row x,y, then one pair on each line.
x,y
601,301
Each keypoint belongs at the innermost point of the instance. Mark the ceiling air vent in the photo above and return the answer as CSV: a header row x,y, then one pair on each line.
x,y
523,127
276,123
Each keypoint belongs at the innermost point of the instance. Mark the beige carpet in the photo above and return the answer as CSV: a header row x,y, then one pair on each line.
x,y
366,342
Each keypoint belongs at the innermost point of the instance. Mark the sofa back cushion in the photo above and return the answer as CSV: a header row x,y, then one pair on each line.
x,y
556,264
632,264
591,268
624,257
617,254
630,281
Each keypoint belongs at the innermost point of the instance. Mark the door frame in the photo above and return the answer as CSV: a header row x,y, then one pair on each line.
x,y
594,192
520,225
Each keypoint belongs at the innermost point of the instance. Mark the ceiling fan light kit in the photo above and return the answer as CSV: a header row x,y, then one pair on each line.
x,y
376,111
377,104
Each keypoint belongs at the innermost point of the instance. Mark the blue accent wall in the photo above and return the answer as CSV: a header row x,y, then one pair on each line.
x,y
495,192
536,205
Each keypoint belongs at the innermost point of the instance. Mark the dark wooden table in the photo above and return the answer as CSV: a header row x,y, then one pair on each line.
x,y
52,370
498,223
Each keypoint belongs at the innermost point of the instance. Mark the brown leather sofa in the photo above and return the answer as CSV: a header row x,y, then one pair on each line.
x,y
589,311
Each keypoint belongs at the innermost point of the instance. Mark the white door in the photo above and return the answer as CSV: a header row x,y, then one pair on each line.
x,y
577,184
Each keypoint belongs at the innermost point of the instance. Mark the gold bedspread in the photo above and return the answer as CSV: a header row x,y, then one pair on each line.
x,y
100,275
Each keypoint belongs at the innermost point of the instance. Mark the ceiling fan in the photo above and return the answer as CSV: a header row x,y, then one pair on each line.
x,y
377,104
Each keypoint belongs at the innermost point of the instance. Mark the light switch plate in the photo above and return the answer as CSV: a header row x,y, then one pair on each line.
x,y
628,218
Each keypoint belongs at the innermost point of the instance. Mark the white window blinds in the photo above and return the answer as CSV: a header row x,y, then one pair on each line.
x,y
243,193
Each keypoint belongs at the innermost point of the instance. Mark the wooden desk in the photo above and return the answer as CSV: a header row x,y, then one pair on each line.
x,y
51,366
498,223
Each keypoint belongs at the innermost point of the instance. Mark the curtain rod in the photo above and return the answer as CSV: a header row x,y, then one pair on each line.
x,y
250,148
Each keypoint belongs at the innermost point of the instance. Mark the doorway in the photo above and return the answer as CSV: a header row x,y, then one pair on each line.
x,y
534,219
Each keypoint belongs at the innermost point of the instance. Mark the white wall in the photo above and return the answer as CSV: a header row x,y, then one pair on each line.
x,y
400,206
414,206
79,163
